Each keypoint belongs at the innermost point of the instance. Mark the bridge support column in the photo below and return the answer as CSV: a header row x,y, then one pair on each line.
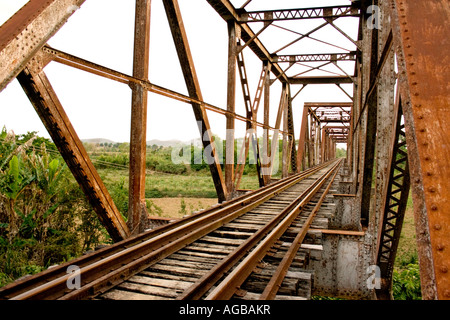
x,y
137,214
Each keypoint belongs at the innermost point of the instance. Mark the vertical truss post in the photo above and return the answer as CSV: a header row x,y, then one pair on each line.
x,y
292,149
44,99
395,198
370,64
301,140
274,145
285,150
187,65
137,216
265,148
420,30
231,103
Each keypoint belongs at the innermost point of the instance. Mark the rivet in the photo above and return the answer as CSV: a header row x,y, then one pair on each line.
x,y
447,293
420,117
425,144
431,189
434,207
428,159
437,227
416,94
414,83
422,130
429,174
440,247
444,269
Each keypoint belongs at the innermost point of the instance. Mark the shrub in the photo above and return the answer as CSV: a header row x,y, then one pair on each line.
x,y
406,283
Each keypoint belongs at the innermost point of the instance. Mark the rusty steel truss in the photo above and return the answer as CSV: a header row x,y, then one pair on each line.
x,y
395,124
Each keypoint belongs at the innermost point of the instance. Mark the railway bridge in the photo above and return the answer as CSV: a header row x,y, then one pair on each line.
x,y
328,226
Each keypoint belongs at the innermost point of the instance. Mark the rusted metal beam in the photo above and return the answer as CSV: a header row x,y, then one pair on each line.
x,y
320,80
316,57
231,106
28,30
421,41
44,99
187,65
265,148
137,214
297,14
301,139
108,73
395,198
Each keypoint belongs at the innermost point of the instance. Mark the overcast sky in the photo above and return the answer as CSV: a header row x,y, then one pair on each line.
x,y
101,31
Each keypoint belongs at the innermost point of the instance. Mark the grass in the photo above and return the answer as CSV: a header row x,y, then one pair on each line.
x,y
161,185
407,249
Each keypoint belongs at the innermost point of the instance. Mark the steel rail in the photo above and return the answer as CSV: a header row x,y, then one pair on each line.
x,y
20,286
150,247
228,286
277,278
198,289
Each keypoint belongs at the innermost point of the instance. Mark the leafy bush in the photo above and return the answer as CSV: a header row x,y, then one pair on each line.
x,y
406,283
44,217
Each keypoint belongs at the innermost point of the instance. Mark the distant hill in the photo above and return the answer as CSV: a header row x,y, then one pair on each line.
x,y
163,143
97,140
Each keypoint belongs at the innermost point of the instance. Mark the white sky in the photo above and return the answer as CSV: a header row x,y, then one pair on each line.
x,y
101,31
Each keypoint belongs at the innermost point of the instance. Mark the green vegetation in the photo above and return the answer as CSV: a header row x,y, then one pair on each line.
x,y
44,218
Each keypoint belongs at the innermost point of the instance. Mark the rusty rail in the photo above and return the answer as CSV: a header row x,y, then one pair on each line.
x,y
110,266
227,288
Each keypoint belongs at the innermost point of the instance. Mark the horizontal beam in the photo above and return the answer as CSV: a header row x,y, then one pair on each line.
x,y
295,14
320,80
316,57
329,104
82,64
28,30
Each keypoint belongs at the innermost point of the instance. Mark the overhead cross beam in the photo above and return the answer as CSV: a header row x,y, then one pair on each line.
x,y
316,57
296,14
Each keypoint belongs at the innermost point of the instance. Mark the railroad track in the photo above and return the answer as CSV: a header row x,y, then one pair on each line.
x,y
252,247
